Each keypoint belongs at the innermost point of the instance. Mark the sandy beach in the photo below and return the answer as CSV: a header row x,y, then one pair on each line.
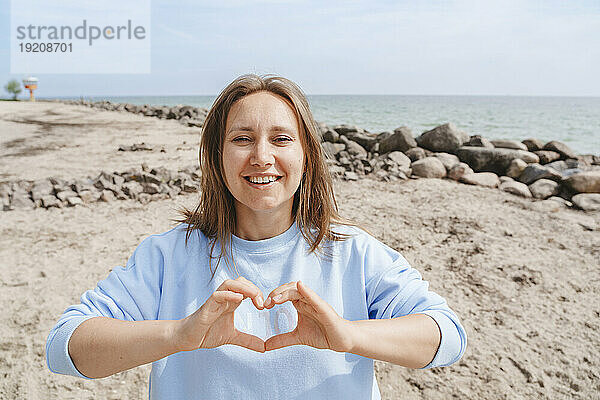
x,y
523,280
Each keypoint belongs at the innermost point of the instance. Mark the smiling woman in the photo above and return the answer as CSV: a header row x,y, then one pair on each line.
x,y
337,297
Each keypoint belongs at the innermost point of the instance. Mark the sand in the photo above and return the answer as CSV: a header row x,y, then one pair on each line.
x,y
524,281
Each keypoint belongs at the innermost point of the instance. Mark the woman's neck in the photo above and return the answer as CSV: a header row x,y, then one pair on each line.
x,y
260,225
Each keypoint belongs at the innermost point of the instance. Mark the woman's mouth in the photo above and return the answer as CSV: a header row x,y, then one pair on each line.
x,y
261,185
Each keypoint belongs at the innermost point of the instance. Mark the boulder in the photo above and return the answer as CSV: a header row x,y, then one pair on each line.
x,y
478,141
535,171
107,196
64,195
21,201
416,153
482,159
447,138
331,136
50,201
533,144
587,201
584,182
459,170
547,156
41,189
401,159
561,148
355,149
74,201
506,179
543,188
509,144
449,160
516,167
487,179
401,140
331,149
90,196
429,167
132,189
516,188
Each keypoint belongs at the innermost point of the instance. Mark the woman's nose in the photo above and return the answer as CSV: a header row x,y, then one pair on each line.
x,y
262,153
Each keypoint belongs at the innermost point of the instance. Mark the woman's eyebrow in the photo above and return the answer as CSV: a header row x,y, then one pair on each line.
x,y
274,128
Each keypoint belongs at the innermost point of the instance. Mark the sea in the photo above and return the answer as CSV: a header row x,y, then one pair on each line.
x,y
574,121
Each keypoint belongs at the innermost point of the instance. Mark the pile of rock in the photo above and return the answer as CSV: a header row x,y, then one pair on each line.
x,y
545,171
529,168
187,115
141,184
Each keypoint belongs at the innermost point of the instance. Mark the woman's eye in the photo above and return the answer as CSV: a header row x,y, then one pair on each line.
x,y
240,139
283,139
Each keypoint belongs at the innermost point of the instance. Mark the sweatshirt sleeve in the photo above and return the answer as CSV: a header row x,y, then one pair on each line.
x,y
130,293
395,289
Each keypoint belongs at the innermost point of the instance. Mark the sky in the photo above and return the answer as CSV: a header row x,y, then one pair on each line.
x,y
438,47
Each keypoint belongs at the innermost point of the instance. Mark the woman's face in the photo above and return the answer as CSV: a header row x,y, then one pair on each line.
x,y
262,139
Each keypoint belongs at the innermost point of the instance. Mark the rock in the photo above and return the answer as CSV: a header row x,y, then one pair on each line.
x,y
587,201
584,182
64,195
482,159
365,140
136,147
447,138
150,188
81,185
50,201
459,170
350,176
545,206
516,188
21,201
382,136
41,189
331,136
547,156
487,179
144,198
331,149
561,148
559,166
107,196
533,144
509,144
416,153
399,158
515,168
571,171
535,171
478,141
449,160
355,149
429,167
506,179
543,188
73,201
401,140
343,129
132,189
90,196
560,200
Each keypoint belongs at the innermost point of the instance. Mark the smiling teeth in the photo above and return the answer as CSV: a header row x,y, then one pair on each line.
x,y
259,179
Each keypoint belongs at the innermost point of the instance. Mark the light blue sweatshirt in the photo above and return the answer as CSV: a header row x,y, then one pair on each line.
x,y
165,280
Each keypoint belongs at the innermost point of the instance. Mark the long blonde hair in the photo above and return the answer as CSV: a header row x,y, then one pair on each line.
x,y
314,206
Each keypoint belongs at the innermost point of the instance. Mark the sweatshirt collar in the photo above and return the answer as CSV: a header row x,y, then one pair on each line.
x,y
266,245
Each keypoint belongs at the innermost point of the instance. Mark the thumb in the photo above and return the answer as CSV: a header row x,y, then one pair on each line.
x,y
282,340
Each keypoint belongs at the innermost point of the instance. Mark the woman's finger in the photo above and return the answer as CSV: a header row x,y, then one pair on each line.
x,y
245,287
249,341
287,292
282,340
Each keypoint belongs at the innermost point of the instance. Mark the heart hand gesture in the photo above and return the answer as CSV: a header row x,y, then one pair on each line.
x,y
212,324
318,326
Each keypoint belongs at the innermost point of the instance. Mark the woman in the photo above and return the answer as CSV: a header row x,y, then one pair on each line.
x,y
337,297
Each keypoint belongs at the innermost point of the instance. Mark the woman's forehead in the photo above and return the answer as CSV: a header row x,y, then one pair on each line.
x,y
262,109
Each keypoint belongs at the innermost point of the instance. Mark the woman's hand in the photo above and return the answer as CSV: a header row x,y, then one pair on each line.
x,y
212,324
318,326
